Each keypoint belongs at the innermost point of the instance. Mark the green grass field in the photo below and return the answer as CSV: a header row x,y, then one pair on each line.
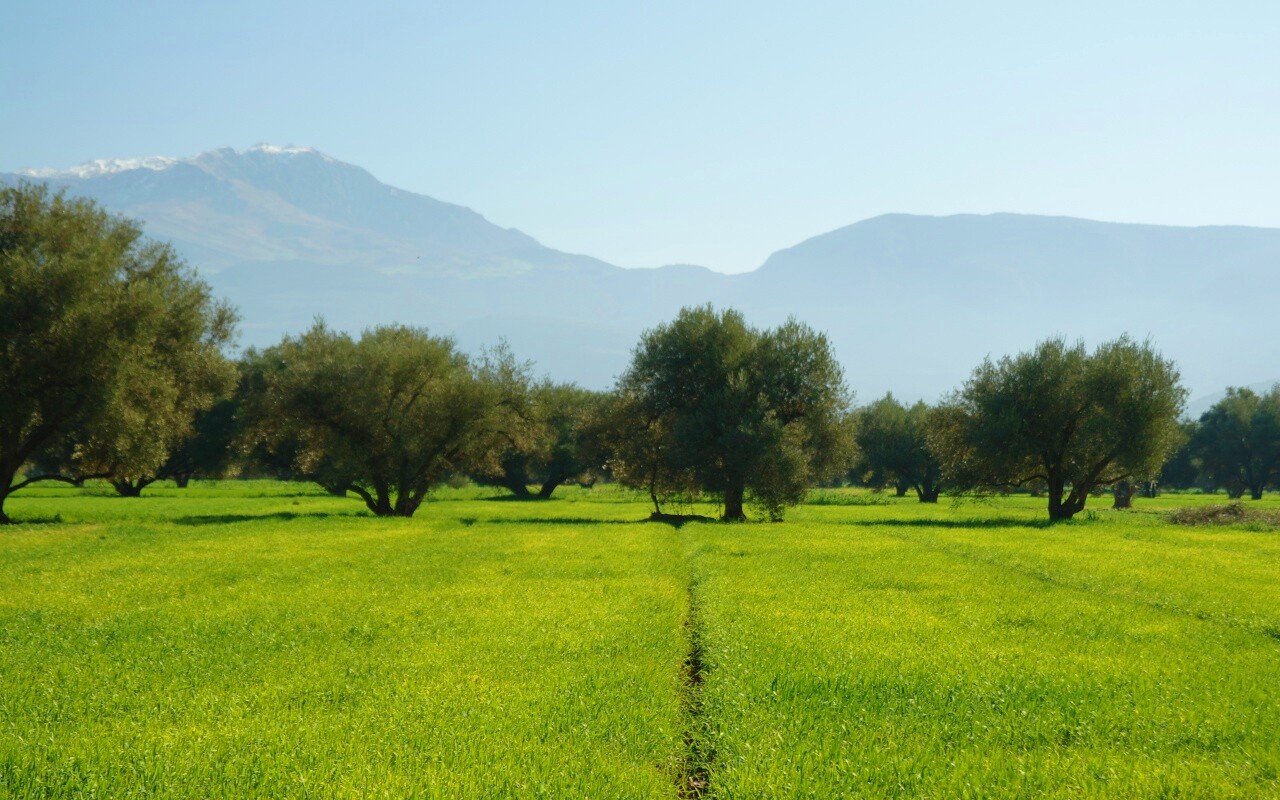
x,y
257,639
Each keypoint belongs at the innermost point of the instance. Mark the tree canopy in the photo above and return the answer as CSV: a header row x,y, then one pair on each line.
x,y
547,445
893,447
1063,418
1238,441
110,343
717,406
386,416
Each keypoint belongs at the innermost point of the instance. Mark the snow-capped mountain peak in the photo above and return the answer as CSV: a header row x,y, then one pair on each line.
x,y
287,150
112,166
103,166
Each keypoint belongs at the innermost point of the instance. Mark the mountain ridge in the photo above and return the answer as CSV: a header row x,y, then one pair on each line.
x,y
910,302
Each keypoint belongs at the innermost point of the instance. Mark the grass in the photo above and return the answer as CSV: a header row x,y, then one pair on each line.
x,y
265,639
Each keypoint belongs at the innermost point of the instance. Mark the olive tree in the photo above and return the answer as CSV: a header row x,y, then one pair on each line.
x,y
1238,441
109,343
1182,470
893,447
209,449
1064,419
387,416
546,446
736,412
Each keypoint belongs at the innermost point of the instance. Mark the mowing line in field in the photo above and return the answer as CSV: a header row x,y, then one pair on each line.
x,y
696,767
1045,576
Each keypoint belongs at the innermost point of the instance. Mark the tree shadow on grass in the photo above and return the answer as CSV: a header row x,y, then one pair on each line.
x,y
555,521
948,523
674,520
15,522
280,516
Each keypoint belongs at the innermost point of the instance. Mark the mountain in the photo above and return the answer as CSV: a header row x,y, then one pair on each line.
x,y
915,297
1199,405
288,233
226,208
911,303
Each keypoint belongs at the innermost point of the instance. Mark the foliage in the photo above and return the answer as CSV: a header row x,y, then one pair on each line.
x,y
110,343
209,450
1063,418
893,448
388,416
1238,441
548,445
723,408
1182,469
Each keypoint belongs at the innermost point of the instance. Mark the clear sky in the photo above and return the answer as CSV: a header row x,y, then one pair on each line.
x,y
683,132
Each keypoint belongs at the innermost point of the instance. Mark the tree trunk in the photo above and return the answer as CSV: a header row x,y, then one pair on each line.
x,y
518,487
733,504
900,490
1123,492
382,501
1151,489
7,474
550,486
1255,491
184,479
127,488
928,493
1060,509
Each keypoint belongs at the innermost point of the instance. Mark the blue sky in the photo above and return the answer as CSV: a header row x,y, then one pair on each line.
x,y
709,133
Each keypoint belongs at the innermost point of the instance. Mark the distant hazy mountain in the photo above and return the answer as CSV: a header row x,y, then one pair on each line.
x,y
226,208
911,303
1199,405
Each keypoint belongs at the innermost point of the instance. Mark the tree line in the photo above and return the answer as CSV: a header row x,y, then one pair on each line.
x,y
115,366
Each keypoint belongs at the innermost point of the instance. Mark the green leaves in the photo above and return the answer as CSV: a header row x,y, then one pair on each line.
x,y
1238,441
109,344
1064,418
387,416
724,408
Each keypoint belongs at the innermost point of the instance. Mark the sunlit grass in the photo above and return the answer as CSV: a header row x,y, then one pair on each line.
x,y
212,654
266,639
898,653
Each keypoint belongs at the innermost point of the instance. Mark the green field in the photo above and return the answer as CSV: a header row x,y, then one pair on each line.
x,y
263,639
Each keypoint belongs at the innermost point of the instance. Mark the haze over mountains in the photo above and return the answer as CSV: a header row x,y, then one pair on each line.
x,y
911,303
